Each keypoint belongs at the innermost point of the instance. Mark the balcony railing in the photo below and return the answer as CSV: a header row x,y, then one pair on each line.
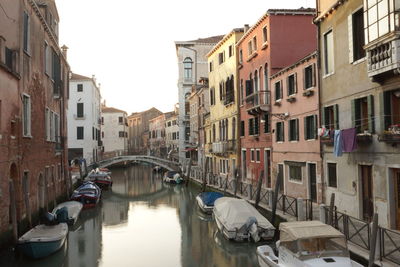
x,y
258,102
384,57
219,147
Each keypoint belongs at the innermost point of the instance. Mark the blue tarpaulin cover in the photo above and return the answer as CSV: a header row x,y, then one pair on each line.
x,y
209,197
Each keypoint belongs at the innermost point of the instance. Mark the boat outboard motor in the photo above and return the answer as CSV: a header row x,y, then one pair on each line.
x,y
62,215
251,226
49,218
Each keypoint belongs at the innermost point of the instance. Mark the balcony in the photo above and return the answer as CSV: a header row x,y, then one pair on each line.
x,y
219,147
258,102
383,58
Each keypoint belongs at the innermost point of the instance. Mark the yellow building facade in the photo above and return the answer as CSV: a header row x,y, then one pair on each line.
x,y
222,134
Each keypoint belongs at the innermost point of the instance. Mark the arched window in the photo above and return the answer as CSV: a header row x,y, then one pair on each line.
x,y
249,91
256,81
214,132
266,81
187,67
226,129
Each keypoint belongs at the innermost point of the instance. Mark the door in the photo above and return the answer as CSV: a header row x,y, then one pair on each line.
x,y
244,169
280,177
396,177
366,192
312,176
267,167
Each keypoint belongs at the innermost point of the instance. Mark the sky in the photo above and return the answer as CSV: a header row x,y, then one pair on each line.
x,y
129,44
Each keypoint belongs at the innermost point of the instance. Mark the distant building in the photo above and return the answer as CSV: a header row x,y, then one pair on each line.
x,y
84,119
33,108
172,135
157,136
138,131
114,131
192,64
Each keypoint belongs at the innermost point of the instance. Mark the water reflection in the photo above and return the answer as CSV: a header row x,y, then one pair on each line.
x,y
144,222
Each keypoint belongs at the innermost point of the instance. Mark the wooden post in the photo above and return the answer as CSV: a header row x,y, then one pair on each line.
x,y
13,211
236,178
188,172
258,192
226,184
275,198
205,176
372,246
331,207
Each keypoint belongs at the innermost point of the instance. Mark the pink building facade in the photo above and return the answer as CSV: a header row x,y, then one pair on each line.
x,y
296,146
279,38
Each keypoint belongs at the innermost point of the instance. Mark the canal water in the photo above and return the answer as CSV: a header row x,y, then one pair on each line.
x,y
143,222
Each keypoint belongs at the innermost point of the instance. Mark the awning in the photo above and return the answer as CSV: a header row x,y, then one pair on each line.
x,y
292,231
191,149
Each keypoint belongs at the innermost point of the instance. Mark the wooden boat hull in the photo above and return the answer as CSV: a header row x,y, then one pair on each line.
x,y
37,250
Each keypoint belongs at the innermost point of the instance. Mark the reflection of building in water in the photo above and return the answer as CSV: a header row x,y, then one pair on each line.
x,y
114,211
85,243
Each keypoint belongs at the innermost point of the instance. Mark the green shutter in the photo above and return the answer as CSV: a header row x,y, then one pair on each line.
x,y
314,80
297,129
385,110
305,128
353,113
283,131
323,119
336,116
315,127
371,117
295,82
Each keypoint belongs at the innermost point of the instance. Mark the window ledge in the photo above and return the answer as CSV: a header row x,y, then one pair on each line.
x,y
278,102
291,99
327,75
253,55
27,53
358,61
279,142
294,141
308,92
295,181
27,136
264,45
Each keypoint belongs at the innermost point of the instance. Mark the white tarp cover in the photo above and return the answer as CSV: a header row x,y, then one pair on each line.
x,y
291,231
74,208
45,233
233,213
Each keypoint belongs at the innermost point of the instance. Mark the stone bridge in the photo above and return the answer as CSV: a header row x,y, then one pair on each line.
x,y
166,164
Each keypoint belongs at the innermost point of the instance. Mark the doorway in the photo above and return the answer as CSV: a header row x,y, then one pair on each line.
x,y
244,165
280,176
312,178
366,192
396,179
267,167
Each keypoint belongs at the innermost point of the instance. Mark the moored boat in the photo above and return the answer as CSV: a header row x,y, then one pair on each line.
x,y
43,240
102,179
309,244
157,169
88,194
206,200
238,220
73,210
172,177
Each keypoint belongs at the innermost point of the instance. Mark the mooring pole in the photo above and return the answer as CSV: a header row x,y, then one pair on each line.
x,y
188,171
372,246
236,178
331,207
205,176
259,184
275,197
13,211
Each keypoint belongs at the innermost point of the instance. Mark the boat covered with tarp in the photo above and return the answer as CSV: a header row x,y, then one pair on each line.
x,y
101,178
238,220
43,240
68,212
309,244
88,194
206,200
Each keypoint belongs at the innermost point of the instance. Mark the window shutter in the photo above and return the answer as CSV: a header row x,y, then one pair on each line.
x,y
287,86
336,116
350,32
386,107
283,131
281,89
295,82
323,118
305,128
315,133
249,87
297,130
353,113
314,77
304,79
371,117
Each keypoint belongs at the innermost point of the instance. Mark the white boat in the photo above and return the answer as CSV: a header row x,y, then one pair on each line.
x,y
43,240
238,220
206,200
172,177
308,244
74,209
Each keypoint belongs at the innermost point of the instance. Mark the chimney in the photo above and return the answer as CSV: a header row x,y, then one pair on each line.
x,y
64,50
246,27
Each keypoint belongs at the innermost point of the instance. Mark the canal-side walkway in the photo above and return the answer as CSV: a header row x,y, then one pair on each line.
x,y
357,232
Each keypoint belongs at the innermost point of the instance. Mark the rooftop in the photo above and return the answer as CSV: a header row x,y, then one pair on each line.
x,y
111,110
76,76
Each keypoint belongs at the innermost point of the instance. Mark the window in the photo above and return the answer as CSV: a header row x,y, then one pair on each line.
x,y
256,84
267,123
332,176
52,126
251,126
266,79
280,135
48,59
328,52
258,156
80,110
249,48
380,18
330,117
187,67
56,128
252,156
362,111
221,57
122,134
292,84
255,43
295,173
120,120
242,128
310,127
26,123
102,120
93,134
10,59
391,108
26,32
265,36
221,91
256,126
230,50
356,29
47,124
249,86
294,130
241,92
80,87
212,96
278,90
211,66
79,133
240,56
309,76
